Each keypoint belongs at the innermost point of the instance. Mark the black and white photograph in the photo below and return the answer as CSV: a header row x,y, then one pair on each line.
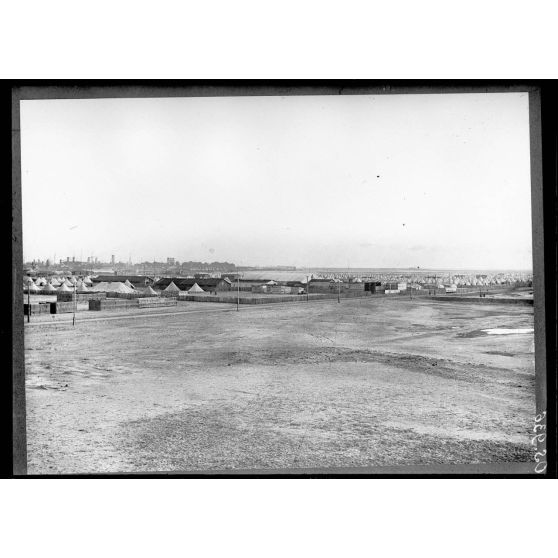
x,y
282,279
265,281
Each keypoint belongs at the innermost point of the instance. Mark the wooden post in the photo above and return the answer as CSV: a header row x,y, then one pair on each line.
x,y
237,292
75,305
28,304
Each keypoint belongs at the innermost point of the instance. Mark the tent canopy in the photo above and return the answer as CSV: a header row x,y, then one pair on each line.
x,y
195,288
172,288
48,288
150,291
112,287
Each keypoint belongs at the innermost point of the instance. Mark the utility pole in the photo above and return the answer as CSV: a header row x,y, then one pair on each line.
x,y
338,292
307,288
28,304
75,305
237,291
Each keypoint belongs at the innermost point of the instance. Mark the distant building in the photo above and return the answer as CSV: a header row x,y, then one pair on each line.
x,y
372,286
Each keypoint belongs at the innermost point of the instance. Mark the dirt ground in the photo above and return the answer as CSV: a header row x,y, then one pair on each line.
x,y
365,382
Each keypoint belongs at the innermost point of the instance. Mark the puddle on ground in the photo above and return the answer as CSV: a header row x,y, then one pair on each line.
x,y
508,331
496,331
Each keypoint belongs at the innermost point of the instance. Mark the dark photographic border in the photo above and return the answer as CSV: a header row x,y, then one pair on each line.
x,y
542,151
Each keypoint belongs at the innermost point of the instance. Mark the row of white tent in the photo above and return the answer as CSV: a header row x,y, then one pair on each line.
x,y
448,280
81,285
194,289
57,281
123,288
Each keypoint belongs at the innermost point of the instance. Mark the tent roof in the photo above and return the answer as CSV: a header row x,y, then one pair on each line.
x,y
64,288
48,288
113,287
172,287
195,288
150,291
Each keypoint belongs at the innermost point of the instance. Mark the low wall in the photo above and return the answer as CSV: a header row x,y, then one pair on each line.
x,y
67,307
81,297
268,298
483,300
167,294
113,303
128,296
242,288
155,302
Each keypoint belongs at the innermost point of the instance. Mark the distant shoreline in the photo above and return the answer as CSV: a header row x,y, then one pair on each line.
x,y
410,270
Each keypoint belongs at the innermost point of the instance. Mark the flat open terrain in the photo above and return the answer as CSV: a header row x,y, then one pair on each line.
x,y
366,382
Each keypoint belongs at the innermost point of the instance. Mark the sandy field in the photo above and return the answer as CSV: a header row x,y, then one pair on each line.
x,y
366,382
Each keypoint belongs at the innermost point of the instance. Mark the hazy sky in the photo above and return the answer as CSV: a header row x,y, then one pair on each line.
x,y
362,181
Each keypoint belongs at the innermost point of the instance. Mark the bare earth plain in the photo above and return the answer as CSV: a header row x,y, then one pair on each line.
x,y
368,382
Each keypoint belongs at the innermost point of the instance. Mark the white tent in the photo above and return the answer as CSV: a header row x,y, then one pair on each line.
x,y
64,288
81,286
87,280
32,288
100,287
172,288
49,288
149,291
195,288
128,284
112,287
